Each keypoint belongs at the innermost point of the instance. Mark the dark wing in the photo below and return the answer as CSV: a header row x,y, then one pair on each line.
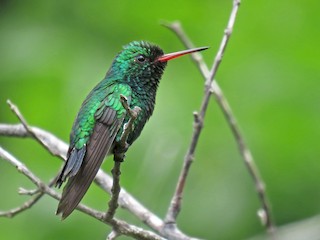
x,y
108,122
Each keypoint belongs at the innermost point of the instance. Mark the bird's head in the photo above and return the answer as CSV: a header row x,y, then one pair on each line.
x,y
141,62
138,61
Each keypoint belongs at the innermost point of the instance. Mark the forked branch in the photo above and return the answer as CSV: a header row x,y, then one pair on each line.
x,y
103,180
212,87
121,226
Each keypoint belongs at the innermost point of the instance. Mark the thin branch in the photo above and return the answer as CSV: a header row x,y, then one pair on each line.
x,y
37,192
32,192
134,231
121,226
265,213
16,111
223,44
119,156
103,180
37,195
175,204
26,205
54,145
115,190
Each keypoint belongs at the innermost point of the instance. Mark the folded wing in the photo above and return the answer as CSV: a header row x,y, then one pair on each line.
x,y
108,120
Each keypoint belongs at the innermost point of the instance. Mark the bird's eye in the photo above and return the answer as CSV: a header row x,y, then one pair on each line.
x,y
141,58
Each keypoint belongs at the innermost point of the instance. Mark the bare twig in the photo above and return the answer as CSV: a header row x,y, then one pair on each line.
x,y
26,205
223,44
121,226
53,144
119,157
265,213
175,205
134,231
37,192
103,180
115,190
16,111
23,191
37,195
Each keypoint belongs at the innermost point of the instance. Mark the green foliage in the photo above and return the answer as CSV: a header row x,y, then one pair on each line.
x,y
54,52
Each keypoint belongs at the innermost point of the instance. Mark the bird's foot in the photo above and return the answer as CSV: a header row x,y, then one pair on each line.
x,y
119,148
119,152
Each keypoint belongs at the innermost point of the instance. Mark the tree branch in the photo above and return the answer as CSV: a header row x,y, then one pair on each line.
x,y
212,86
121,226
16,111
119,156
175,205
37,195
54,145
264,213
26,205
103,180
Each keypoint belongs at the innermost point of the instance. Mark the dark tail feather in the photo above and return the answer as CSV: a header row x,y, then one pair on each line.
x,y
99,145
72,165
75,189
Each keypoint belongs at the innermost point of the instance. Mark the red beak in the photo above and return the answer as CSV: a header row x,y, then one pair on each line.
x,y
169,56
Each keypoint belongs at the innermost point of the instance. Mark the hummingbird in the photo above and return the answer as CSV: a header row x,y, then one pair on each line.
x,y
135,74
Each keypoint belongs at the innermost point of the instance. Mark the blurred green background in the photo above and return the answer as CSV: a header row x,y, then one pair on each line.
x,y
52,53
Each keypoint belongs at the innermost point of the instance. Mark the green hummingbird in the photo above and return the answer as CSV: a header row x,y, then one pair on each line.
x,y
135,73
